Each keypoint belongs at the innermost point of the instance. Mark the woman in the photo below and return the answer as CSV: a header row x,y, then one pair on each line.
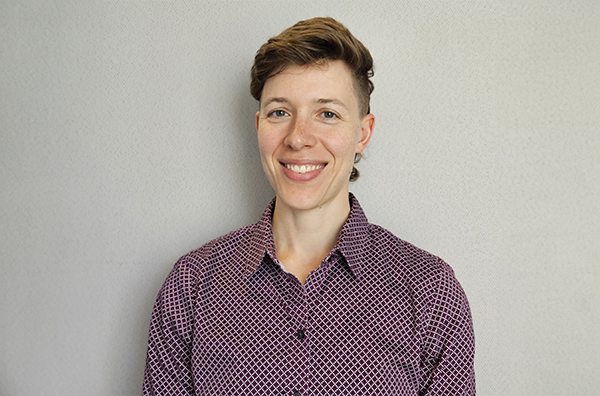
x,y
312,299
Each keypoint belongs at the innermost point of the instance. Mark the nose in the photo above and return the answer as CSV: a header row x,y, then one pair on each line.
x,y
300,134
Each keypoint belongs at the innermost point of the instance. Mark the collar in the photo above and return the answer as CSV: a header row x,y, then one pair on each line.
x,y
351,243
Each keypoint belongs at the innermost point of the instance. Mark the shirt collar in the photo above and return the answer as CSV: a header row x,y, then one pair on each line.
x,y
354,237
351,243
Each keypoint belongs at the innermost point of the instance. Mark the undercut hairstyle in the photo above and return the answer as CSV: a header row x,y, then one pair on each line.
x,y
313,42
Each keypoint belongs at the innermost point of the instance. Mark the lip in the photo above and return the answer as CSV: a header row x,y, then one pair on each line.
x,y
302,162
302,177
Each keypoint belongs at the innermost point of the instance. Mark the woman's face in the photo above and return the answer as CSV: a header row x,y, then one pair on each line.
x,y
309,128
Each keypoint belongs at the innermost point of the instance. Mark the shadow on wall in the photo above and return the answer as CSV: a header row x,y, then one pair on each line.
x,y
253,194
252,180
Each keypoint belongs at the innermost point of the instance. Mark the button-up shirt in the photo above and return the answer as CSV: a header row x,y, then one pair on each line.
x,y
379,316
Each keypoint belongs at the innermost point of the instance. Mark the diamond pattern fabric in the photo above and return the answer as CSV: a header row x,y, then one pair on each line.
x,y
378,317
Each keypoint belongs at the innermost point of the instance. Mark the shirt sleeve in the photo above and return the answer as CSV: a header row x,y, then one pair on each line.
x,y
168,361
449,343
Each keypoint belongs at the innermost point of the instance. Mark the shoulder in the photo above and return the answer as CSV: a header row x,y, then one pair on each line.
x,y
227,247
428,279
404,261
226,253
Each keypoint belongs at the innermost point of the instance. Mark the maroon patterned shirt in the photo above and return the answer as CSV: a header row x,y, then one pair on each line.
x,y
378,317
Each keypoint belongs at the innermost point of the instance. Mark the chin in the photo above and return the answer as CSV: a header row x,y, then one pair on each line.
x,y
300,200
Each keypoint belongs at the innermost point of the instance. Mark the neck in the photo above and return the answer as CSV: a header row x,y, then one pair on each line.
x,y
303,238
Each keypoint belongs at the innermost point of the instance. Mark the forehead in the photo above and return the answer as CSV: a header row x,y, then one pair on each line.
x,y
332,80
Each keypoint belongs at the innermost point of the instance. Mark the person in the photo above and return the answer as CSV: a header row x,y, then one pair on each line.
x,y
312,299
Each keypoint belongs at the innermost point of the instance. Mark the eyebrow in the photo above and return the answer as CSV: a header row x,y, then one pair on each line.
x,y
334,101
275,100
322,101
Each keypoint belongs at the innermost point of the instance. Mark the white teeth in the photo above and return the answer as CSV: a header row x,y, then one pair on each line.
x,y
303,168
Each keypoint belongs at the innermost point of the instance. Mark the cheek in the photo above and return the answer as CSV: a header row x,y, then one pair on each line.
x,y
344,148
266,146
263,141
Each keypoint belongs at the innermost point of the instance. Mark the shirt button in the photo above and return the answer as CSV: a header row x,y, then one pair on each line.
x,y
300,334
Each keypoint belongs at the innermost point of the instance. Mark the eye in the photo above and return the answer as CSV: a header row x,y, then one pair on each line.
x,y
329,114
278,113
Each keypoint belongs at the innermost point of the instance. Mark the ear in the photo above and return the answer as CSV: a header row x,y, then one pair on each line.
x,y
257,119
366,131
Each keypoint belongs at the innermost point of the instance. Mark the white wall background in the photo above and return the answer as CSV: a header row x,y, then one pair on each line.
x,y
127,139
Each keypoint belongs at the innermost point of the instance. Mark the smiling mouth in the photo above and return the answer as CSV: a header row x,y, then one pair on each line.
x,y
303,168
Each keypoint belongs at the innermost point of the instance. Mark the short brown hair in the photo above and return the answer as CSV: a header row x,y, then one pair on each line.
x,y
314,41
